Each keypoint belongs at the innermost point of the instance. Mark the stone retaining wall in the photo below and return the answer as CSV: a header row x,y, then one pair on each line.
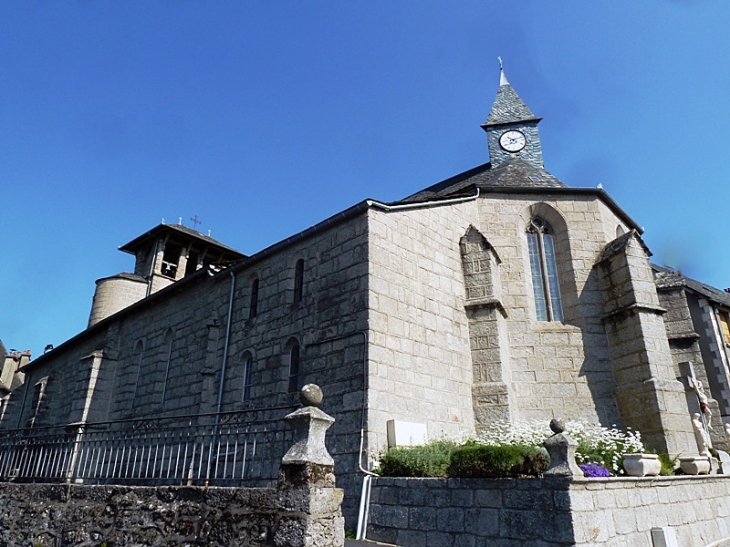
x,y
549,511
78,515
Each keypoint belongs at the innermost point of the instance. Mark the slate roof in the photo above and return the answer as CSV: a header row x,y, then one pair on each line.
x,y
125,275
667,279
133,245
619,244
513,173
508,107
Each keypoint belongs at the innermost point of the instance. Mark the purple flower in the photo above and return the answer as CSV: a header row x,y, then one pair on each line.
x,y
594,470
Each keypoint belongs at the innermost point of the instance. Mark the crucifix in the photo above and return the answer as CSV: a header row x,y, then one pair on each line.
x,y
702,420
196,221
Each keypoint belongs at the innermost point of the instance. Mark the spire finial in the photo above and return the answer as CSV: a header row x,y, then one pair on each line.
x,y
502,77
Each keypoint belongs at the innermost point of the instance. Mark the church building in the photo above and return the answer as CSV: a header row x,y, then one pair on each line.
x,y
499,294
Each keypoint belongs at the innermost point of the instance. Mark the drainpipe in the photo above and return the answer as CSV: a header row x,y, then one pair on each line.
x,y
152,267
225,347
224,362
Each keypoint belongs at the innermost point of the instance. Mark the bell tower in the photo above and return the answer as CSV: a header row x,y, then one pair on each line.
x,y
512,127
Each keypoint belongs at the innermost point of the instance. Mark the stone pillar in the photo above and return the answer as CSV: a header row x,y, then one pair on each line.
x,y
649,396
487,330
307,481
561,449
182,264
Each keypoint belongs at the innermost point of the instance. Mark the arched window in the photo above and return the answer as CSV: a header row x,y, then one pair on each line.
x,y
247,372
298,281
253,307
294,367
544,271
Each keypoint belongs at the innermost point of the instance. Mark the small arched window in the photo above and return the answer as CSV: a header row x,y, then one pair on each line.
x,y
294,368
253,307
544,271
298,281
247,375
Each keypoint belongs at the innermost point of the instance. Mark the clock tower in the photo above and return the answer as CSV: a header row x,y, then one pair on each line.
x,y
512,128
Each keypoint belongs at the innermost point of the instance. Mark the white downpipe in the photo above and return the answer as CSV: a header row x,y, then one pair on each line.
x,y
363,514
362,517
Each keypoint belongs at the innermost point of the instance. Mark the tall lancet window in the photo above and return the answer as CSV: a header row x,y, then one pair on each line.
x,y
544,270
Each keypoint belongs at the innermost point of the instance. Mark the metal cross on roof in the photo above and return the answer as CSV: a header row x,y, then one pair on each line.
x,y
196,221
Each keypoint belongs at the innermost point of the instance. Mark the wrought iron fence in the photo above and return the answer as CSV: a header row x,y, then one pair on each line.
x,y
228,449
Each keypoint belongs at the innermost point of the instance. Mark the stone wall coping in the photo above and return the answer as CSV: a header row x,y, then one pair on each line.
x,y
435,482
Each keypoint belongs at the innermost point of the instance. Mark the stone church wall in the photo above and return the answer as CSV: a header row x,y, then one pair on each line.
x,y
558,368
420,360
174,341
420,363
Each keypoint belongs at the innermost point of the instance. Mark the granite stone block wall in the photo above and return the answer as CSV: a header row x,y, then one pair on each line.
x,y
163,356
557,368
614,512
76,515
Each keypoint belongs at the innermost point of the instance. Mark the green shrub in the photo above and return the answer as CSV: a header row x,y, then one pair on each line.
x,y
477,460
668,464
429,460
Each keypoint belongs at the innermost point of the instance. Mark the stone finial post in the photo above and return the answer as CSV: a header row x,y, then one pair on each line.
x,y
310,425
561,449
307,480
307,462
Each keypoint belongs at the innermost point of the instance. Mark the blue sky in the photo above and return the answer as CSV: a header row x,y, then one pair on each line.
x,y
265,117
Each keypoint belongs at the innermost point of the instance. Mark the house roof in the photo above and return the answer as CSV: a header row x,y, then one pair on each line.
x,y
668,279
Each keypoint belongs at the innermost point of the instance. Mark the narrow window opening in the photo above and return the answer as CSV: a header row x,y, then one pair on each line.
x,y
298,281
139,356
544,271
192,264
254,305
294,368
170,259
168,349
38,394
247,375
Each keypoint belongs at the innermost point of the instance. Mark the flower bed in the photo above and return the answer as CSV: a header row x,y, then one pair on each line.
x,y
513,450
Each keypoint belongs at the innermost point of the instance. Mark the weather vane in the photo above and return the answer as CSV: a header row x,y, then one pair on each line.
x,y
500,62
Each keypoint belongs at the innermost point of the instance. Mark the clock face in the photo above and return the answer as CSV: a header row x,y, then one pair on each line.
x,y
513,140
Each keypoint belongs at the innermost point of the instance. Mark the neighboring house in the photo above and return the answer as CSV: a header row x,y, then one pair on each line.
x,y
498,294
11,374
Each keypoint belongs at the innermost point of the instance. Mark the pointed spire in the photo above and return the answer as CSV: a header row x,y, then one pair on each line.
x,y
502,75
508,107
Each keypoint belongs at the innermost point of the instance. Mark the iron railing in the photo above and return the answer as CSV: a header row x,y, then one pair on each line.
x,y
227,449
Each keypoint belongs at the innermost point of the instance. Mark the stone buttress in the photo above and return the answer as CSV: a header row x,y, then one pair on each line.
x,y
487,330
648,394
